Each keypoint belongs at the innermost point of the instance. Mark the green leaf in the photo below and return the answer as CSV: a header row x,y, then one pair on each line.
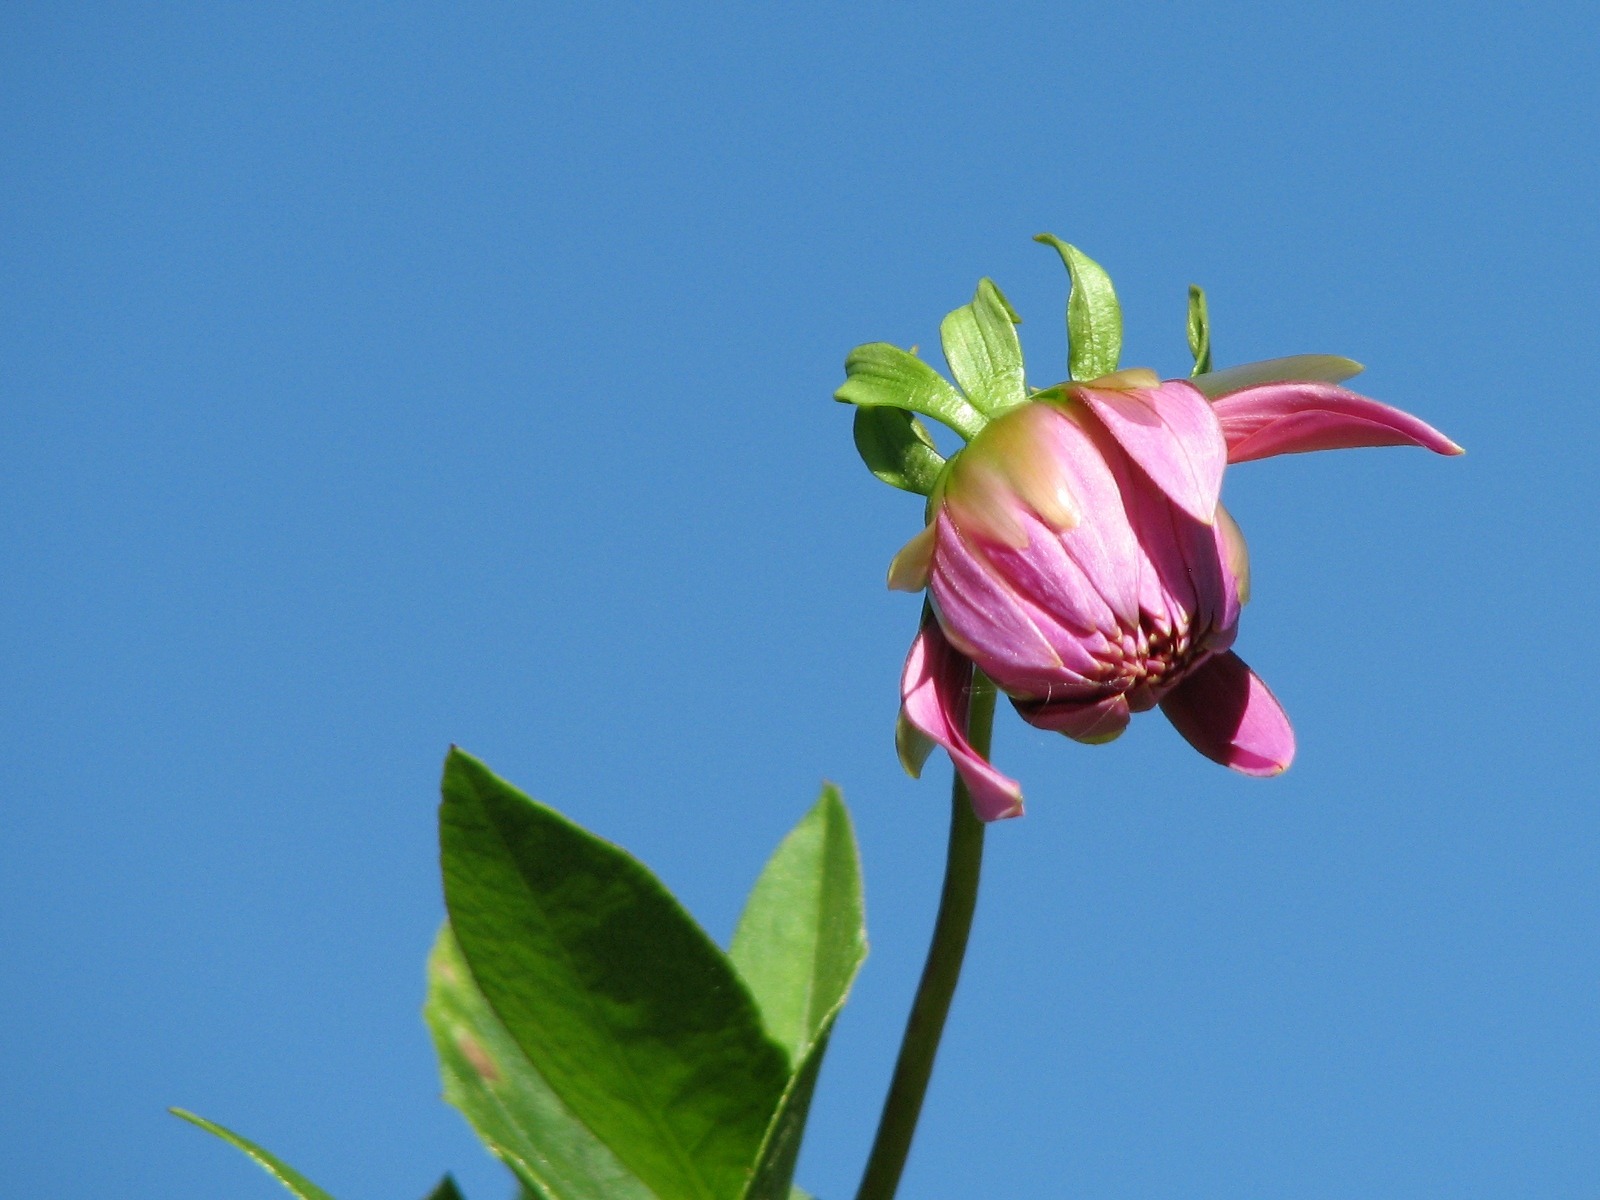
x,y
505,1099
620,1001
802,936
780,1151
880,375
980,344
447,1190
1094,318
897,449
279,1170
799,945
1199,330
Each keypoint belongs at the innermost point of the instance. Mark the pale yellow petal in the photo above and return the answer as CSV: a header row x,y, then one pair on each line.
x,y
1319,368
908,572
1238,553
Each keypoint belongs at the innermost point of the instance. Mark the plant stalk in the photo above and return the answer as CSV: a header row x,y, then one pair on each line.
x,y
925,1025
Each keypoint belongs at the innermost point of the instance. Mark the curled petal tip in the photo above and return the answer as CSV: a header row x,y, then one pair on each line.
x,y
934,699
1014,809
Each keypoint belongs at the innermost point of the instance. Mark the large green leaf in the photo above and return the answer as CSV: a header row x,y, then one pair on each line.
x,y
881,375
274,1166
897,449
980,344
1199,330
1094,318
631,1014
799,945
489,1079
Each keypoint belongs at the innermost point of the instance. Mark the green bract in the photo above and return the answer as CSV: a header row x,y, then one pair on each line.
x,y
1199,330
1094,318
879,374
980,344
897,449
888,385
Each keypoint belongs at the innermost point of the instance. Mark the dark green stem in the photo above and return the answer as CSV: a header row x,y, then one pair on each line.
x,y
963,864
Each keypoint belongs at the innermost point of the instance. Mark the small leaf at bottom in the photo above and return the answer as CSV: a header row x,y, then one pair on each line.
x,y
274,1166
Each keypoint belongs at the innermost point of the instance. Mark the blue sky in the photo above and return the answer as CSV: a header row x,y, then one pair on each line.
x,y
385,376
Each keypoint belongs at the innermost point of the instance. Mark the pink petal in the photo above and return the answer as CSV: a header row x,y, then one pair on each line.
x,y
1094,721
1172,433
934,694
1224,711
1102,543
1191,587
1293,418
984,615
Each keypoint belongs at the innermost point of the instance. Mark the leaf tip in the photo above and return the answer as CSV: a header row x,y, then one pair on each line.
x,y
831,801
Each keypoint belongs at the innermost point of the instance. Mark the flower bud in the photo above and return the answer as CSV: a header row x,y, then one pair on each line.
x,y
1078,555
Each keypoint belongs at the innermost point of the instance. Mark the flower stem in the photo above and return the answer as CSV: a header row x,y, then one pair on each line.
x,y
925,1025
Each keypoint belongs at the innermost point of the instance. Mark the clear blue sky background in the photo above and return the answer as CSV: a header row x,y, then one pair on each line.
x,y
378,377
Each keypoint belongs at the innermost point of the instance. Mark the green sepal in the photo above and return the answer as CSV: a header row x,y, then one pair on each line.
x,y
447,1190
274,1166
507,1102
1094,318
880,375
1199,330
898,449
981,346
631,1014
799,945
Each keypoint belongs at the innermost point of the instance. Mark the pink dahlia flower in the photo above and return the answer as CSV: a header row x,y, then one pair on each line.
x,y
1078,554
